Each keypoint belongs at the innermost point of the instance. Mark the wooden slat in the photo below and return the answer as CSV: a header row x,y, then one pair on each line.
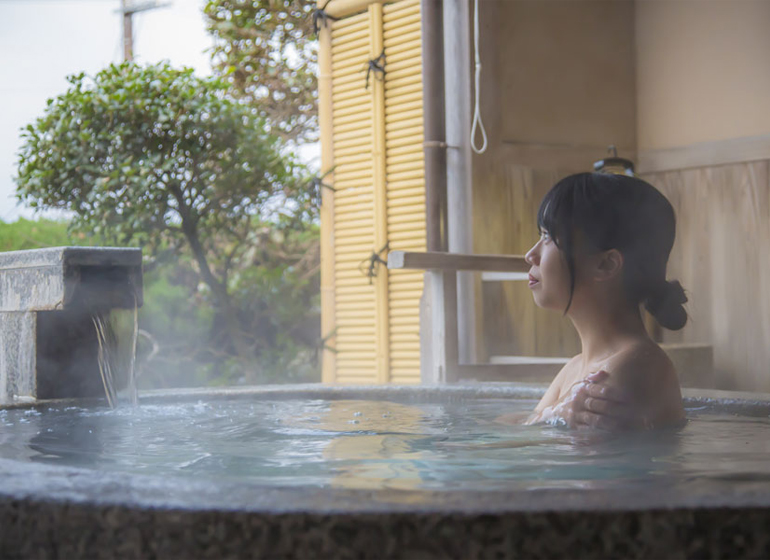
x,y
410,29
410,91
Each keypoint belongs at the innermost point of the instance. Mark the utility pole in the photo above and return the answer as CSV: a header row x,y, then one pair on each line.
x,y
128,9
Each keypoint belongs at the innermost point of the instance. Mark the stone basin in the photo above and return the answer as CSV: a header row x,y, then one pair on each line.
x,y
58,512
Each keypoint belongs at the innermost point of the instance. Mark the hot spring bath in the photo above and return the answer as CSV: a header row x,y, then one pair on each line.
x,y
316,471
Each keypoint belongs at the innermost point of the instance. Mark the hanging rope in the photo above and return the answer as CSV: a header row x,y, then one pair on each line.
x,y
477,122
373,259
320,15
375,66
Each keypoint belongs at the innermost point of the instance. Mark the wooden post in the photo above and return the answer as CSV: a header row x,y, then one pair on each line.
x,y
433,123
128,33
440,360
457,82
439,327
328,362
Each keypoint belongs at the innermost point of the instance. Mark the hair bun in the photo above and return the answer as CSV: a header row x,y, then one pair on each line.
x,y
666,305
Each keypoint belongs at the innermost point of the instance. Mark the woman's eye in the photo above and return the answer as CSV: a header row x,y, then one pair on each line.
x,y
545,236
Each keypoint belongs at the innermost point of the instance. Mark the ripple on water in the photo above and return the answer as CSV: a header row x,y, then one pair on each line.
x,y
383,444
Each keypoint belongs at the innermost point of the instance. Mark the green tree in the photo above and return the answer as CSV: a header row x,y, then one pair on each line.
x,y
267,51
158,157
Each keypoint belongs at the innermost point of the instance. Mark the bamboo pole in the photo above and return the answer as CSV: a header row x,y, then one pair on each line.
x,y
343,8
377,85
328,322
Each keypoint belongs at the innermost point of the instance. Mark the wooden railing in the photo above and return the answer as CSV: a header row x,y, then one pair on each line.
x,y
456,261
438,323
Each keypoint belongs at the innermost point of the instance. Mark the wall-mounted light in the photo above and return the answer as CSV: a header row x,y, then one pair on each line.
x,y
614,164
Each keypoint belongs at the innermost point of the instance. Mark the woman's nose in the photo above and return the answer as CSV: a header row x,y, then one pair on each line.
x,y
532,257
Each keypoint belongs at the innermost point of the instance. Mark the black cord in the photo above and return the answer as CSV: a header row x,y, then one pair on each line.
x,y
373,260
320,14
376,66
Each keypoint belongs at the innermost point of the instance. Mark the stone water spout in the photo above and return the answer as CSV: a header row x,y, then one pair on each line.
x,y
48,345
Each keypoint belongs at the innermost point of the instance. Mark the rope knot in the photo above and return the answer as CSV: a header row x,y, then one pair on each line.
x,y
376,65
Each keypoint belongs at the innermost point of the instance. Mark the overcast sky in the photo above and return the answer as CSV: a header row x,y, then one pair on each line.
x,y
43,41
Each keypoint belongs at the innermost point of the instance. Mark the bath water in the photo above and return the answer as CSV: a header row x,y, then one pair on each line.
x,y
382,444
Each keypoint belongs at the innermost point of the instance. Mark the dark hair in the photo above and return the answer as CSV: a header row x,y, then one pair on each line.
x,y
611,211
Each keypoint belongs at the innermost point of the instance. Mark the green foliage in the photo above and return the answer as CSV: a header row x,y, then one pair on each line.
x,y
267,51
28,234
139,153
159,158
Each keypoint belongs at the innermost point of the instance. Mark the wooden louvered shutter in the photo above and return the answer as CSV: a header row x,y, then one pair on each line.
x,y
405,181
379,194
352,119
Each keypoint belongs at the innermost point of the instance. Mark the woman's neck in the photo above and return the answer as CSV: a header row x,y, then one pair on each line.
x,y
605,327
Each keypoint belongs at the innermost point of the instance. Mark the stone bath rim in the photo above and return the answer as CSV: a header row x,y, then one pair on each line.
x,y
44,483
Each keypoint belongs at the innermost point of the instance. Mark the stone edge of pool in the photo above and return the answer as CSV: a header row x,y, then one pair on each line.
x,y
26,480
62,512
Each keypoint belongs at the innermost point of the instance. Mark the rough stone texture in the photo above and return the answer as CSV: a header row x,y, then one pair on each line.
x,y
52,512
33,529
54,278
48,346
17,355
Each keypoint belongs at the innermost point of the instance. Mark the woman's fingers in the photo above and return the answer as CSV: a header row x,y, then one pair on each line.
x,y
598,376
608,392
607,407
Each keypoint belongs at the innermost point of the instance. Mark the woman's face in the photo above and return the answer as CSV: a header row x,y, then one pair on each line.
x,y
549,277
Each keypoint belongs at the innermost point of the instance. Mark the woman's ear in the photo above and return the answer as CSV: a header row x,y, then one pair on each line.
x,y
609,265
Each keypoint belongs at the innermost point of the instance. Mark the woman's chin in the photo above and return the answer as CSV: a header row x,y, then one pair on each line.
x,y
546,302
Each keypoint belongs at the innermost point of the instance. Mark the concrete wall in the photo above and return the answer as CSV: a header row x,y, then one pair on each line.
x,y
567,72
703,71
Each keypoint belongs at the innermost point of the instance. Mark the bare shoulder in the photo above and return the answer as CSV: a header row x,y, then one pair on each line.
x,y
643,358
646,372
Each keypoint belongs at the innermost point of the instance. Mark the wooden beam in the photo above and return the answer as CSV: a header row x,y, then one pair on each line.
x,y
343,8
454,261
564,157
705,154
504,276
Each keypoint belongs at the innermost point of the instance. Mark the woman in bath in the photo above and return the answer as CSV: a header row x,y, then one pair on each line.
x,y
602,254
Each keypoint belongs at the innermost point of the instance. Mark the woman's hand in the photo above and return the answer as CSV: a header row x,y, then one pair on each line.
x,y
594,403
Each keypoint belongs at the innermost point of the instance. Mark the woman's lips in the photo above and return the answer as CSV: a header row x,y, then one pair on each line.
x,y
533,281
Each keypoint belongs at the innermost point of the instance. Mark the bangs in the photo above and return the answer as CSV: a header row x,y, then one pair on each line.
x,y
556,213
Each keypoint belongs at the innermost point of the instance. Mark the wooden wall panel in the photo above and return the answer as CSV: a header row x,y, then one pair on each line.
x,y
721,258
558,86
512,323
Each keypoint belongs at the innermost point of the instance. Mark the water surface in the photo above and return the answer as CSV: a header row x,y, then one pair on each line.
x,y
382,444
